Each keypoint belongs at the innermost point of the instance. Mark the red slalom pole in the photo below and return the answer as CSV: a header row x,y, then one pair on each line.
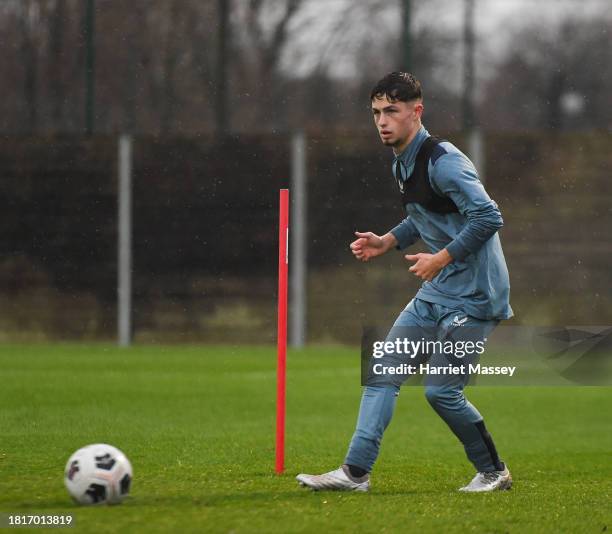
x,y
281,373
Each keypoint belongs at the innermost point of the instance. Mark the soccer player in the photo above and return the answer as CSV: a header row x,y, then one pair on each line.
x,y
465,289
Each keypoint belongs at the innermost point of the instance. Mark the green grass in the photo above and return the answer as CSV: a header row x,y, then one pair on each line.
x,y
198,425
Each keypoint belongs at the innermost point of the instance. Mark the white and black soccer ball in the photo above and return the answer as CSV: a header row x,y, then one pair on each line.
x,y
98,474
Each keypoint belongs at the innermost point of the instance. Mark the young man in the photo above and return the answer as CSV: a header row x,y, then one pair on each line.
x,y
465,290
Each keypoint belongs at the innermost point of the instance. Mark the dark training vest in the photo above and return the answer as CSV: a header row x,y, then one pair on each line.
x,y
417,187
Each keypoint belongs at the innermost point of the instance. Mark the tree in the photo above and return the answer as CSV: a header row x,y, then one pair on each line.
x,y
27,14
155,64
554,78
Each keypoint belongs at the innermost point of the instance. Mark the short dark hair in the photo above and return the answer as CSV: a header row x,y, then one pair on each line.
x,y
396,86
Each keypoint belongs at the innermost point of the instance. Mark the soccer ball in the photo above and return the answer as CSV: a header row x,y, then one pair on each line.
x,y
98,474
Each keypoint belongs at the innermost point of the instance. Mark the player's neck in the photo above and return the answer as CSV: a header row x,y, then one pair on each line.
x,y
397,150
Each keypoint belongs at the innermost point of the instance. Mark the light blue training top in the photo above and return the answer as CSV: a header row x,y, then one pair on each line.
x,y
476,282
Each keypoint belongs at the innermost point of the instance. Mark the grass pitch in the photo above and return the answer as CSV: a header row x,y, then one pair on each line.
x,y
198,426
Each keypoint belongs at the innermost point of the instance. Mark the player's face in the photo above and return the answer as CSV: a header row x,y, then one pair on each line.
x,y
397,122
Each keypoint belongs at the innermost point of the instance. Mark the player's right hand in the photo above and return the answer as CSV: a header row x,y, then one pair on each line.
x,y
368,245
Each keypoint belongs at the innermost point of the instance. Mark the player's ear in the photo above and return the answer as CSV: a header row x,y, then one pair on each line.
x,y
418,108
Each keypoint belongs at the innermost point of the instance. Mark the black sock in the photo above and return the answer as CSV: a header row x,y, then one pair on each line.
x,y
356,472
486,437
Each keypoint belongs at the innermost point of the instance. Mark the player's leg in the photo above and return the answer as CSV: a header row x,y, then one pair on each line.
x,y
375,413
381,392
446,396
466,423
376,410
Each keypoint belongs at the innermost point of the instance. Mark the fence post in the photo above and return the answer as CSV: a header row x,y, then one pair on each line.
x,y
298,264
124,248
476,151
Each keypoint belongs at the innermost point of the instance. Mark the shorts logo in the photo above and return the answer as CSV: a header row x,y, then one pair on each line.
x,y
459,322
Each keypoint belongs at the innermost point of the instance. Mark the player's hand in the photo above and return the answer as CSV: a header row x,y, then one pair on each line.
x,y
369,245
427,266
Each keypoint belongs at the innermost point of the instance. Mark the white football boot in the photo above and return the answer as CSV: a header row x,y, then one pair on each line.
x,y
338,480
489,481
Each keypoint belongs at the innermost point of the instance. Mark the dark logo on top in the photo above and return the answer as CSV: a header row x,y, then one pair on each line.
x,y
106,461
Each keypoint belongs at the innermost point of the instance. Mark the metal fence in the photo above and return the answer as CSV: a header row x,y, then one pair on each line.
x,y
204,234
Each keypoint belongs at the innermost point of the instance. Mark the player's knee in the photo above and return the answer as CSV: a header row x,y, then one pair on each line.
x,y
440,397
432,394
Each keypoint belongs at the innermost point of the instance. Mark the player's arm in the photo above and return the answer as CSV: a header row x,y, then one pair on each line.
x,y
455,177
405,234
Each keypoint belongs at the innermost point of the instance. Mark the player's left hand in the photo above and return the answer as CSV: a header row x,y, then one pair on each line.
x,y
427,266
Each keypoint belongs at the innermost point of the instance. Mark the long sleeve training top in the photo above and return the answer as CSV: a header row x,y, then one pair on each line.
x,y
477,280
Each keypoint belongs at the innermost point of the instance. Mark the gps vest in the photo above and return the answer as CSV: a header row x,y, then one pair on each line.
x,y
417,188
